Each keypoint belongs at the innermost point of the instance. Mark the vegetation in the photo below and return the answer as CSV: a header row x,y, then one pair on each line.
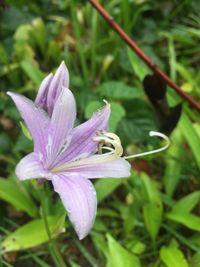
x,y
151,219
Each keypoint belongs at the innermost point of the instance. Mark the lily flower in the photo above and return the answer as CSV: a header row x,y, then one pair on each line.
x,y
67,155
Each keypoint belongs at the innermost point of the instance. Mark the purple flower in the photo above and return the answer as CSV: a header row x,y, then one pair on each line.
x,y
66,155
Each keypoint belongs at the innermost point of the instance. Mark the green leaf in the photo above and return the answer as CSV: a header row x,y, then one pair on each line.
x,y
119,256
33,234
74,264
117,113
174,156
191,136
187,203
138,123
13,18
22,33
181,211
105,187
99,242
139,67
12,193
188,129
39,33
195,260
151,189
32,71
118,91
92,107
152,213
153,209
189,220
173,256
4,59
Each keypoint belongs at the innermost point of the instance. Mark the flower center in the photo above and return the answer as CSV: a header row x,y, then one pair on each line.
x,y
108,142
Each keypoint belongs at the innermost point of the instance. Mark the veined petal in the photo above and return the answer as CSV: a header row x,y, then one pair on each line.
x,y
41,98
35,118
62,121
82,142
30,167
60,80
99,166
79,198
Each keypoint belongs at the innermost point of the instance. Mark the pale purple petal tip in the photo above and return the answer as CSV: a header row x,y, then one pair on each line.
x,y
60,80
41,98
62,121
79,198
36,119
30,167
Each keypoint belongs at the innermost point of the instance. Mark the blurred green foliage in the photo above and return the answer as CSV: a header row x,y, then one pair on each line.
x,y
151,219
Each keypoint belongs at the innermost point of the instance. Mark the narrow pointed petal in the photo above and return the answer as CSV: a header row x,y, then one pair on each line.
x,y
36,119
41,98
118,168
82,143
62,121
79,198
30,167
60,80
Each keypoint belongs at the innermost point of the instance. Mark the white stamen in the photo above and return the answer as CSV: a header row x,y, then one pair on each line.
x,y
110,139
152,133
106,102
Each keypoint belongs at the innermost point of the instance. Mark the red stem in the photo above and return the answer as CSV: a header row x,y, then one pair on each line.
x,y
143,56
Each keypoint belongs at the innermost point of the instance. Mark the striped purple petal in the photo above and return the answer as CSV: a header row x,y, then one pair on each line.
x,y
36,119
118,168
41,98
62,122
60,80
79,198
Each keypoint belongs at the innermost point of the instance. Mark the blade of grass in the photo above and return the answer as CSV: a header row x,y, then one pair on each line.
x,y
79,44
85,253
181,238
93,42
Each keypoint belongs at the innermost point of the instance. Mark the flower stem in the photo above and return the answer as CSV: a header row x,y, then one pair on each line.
x,y
55,253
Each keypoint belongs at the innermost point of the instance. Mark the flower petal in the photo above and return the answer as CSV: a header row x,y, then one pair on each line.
x,y
82,143
30,167
62,121
41,98
35,118
118,168
79,198
60,80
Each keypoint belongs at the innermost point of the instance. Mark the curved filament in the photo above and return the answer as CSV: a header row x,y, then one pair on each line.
x,y
157,134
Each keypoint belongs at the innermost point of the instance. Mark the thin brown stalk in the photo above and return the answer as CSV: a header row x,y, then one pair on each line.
x,y
147,60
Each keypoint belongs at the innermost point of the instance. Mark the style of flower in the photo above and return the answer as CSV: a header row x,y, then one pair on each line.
x,y
67,155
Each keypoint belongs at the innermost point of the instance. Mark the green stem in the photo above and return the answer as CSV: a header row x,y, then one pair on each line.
x,y
85,253
55,253
93,43
77,32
